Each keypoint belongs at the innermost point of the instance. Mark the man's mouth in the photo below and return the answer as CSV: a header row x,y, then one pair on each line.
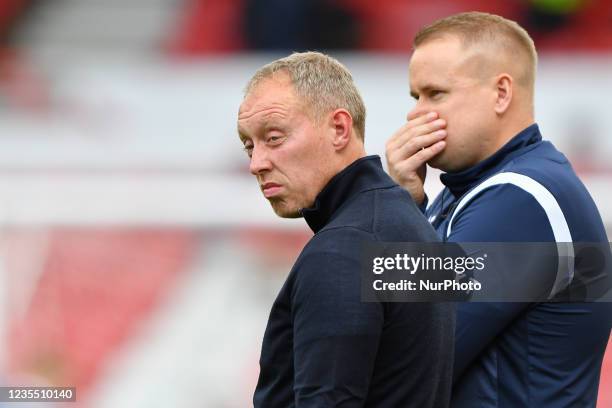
x,y
271,189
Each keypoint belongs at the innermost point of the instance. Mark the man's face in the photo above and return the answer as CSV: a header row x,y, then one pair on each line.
x,y
289,154
455,83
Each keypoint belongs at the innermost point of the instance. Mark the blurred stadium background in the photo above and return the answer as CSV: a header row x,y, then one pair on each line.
x,y
138,259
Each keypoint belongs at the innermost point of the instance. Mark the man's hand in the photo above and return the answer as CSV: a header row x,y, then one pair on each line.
x,y
409,149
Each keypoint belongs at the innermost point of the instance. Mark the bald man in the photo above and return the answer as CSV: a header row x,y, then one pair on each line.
x,y
472,76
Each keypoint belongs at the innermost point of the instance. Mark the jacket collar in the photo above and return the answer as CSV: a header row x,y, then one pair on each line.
x,y
363,174
460,182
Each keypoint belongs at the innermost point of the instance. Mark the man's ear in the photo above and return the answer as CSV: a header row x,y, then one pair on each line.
x,y
503,91
341,123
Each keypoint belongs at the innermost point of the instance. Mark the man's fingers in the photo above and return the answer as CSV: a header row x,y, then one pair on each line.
x,y
416,121
416,144
407,151
401,162
414,115
427,153
411,130
422,130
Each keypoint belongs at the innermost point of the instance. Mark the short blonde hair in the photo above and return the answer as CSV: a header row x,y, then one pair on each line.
x,y
323,82
484,28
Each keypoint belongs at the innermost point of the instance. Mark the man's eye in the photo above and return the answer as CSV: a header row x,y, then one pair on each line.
x,y
275,139
248,149
435,94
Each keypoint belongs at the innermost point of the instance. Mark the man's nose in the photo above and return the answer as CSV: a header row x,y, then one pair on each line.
x,y
419,109
260,162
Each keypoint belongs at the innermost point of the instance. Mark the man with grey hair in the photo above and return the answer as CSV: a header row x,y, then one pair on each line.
x,y
472,75
302,124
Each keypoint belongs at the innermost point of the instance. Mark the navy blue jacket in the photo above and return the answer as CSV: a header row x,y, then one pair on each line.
x,y
323,346
517,354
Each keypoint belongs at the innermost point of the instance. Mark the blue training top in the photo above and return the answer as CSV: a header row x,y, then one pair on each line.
x,y
518,354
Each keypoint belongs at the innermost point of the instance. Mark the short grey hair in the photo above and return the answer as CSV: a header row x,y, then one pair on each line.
x,y
322,81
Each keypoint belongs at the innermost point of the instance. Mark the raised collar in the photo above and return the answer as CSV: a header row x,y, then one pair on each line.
x,y
363,174
460,182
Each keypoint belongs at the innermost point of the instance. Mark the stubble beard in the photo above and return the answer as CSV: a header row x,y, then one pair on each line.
x,y
284,210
